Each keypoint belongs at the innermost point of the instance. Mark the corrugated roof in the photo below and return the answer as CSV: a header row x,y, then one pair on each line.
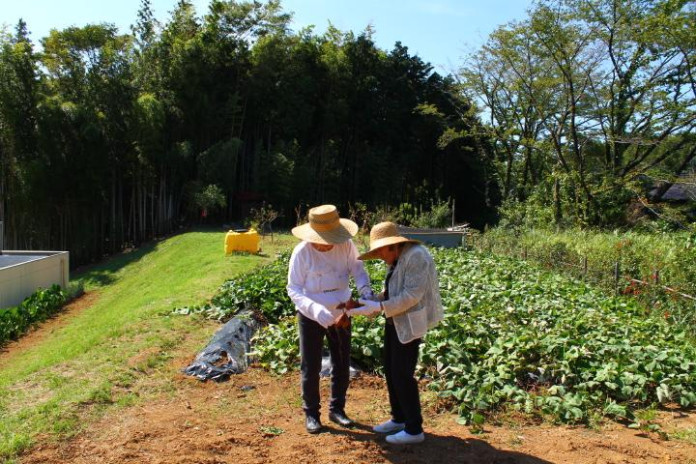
x,y
12,260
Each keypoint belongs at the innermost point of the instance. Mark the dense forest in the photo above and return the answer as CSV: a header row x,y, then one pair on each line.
x,y
568,117
108,139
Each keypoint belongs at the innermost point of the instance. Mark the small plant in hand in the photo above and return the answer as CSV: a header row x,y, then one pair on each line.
x,y
343,321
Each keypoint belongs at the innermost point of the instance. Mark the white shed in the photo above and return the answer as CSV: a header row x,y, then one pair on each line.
x,y
23,272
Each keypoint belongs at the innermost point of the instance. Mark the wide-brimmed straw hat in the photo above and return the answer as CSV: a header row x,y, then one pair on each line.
x,y
326,227
381,235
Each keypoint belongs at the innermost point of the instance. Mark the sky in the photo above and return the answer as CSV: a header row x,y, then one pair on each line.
x,y
441,32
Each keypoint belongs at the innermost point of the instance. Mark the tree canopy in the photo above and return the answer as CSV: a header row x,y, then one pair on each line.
x,y
584,101
109,138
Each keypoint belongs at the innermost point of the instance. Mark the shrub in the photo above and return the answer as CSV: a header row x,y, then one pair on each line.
x,y
36,308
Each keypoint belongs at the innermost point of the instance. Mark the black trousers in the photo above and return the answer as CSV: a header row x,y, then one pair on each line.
x,y
399,368
311,347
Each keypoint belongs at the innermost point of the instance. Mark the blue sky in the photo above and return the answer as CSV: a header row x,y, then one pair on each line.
x,y
439,31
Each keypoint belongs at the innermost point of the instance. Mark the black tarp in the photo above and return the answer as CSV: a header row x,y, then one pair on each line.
x,y
226,354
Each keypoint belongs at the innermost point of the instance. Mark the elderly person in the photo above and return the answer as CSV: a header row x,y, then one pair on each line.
x,y
318,285
411,303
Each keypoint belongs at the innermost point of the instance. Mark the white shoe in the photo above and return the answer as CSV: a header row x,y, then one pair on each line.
x,y
388,427
403,438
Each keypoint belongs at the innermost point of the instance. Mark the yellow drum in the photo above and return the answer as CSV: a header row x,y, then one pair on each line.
x,y
242,241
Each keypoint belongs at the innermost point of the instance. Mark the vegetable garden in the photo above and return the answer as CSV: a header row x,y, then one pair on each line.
x,y
514,337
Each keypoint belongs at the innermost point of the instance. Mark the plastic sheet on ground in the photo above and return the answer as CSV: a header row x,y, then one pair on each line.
x,y
226,354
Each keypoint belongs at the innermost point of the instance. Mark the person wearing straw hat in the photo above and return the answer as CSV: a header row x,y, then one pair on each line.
x,y
318,284
411,304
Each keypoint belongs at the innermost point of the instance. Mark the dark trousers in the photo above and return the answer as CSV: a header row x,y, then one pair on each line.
x,y
399,368
311,347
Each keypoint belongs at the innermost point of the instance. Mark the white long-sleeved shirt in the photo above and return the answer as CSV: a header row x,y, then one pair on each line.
x,y
319,279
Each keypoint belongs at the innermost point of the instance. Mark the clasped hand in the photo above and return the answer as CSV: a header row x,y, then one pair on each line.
x,y
366,308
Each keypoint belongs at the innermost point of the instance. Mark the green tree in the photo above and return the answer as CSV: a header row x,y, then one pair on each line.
x,y
586,96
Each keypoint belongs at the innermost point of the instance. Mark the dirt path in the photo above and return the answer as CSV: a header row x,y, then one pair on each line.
x,y
256,418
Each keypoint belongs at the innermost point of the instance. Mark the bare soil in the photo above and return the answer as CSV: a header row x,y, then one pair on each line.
x,y
256,417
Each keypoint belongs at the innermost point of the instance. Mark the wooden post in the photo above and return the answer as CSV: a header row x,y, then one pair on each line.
x,y
524,251
657,277
617,272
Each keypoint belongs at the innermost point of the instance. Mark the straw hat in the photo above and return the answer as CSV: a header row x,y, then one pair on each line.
x,y
381,235
325,227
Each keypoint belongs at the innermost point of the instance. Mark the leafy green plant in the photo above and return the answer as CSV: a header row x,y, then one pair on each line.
x,y
513,336
271,431
645,420
34,309
434,214
263,289
209,199
593,255
277,346
519,336
438,215
688,434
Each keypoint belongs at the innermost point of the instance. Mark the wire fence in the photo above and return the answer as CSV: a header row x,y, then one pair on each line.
x,y
612,277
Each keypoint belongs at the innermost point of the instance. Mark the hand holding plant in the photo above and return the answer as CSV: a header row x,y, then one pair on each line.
x,y
343,320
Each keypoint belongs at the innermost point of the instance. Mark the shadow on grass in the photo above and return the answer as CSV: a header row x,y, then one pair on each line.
x,y
103,273
439,449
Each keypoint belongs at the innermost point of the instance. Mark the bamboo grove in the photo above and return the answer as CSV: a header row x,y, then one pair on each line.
x,y
108,139
568,117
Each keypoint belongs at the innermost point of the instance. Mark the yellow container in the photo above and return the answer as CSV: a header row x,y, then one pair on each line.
x,y
244,241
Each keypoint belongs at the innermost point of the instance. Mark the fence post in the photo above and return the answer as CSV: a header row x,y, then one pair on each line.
x,y
617,272
524,251
657,277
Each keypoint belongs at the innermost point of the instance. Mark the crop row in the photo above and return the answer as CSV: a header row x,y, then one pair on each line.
x,y
36,308
513,336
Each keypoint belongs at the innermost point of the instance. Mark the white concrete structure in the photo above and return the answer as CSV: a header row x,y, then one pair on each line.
x,y
23,272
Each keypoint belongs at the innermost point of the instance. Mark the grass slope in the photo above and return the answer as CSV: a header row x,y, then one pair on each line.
x,y
114,352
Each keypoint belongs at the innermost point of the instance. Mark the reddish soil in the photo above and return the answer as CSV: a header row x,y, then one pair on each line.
x,y
255,418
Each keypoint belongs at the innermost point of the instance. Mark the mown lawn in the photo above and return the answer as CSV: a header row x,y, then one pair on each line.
x,y
115,351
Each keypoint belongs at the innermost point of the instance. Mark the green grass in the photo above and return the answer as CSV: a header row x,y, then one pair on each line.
x,y
118,350
688,435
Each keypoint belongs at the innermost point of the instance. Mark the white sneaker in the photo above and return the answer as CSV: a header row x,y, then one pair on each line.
x,y
403,438
388,427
